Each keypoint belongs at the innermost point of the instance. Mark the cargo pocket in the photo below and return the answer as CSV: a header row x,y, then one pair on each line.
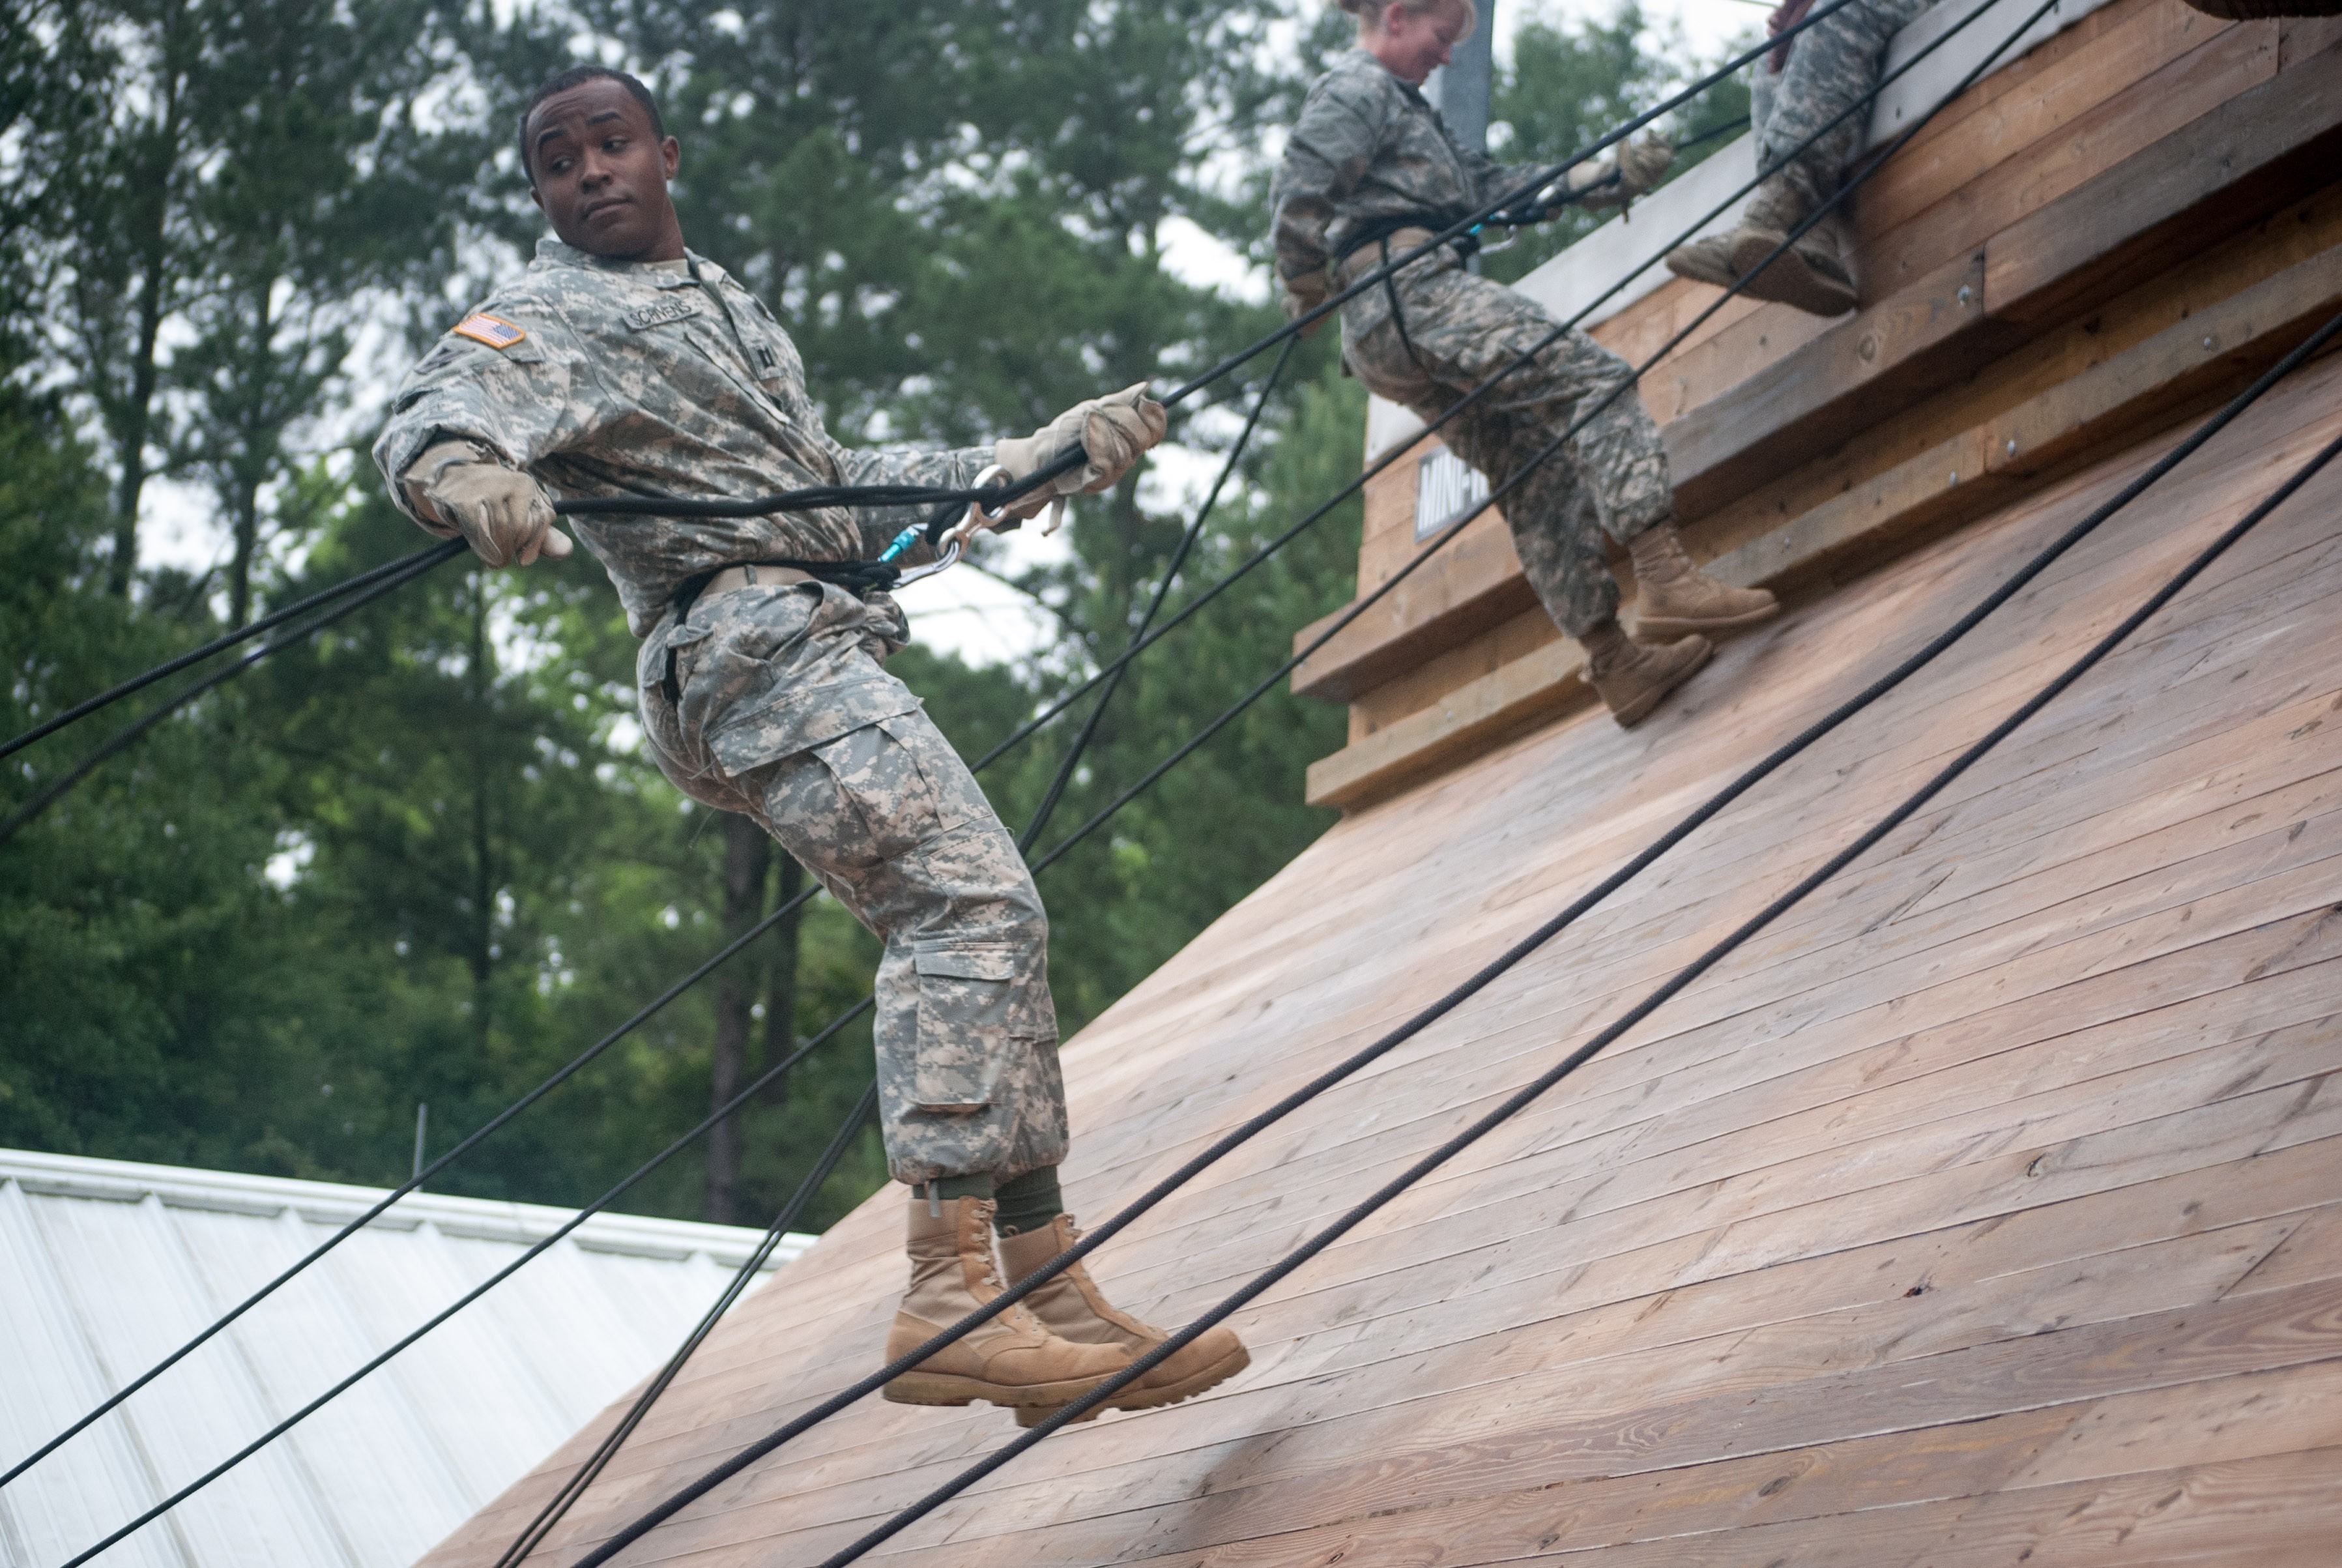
x,y
966,1005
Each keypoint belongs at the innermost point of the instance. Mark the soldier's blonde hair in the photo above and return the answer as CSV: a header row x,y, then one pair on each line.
x,y
1369,12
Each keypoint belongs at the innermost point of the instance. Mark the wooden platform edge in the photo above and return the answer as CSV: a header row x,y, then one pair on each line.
x,y
1959,480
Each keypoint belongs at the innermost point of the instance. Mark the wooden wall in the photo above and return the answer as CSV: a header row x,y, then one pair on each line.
x,y
2038,266
1987,1211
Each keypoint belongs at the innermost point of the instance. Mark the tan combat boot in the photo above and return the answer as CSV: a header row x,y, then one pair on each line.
x,y
1810,275
1674,598
1707,261
1011,1360
1071,1306
1632,678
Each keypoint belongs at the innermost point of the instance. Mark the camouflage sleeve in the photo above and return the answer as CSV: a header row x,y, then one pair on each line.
x,y
953,469
1499,181
510,378
1331,148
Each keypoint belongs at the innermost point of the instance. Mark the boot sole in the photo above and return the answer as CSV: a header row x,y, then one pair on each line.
x,y
1211,1377
1790,280
1635,713
1668,628
1715,277
947,1388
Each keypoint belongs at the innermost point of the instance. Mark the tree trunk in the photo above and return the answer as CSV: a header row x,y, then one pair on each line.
x,y
248,463
781,984
747,854
137,420
133,425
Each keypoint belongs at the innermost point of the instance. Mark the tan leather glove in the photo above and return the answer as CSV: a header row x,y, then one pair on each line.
x,y
1300,295
1631,169
501,513
1111,431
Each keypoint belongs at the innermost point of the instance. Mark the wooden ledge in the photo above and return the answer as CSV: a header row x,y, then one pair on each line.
x,y
2219,174
1960,479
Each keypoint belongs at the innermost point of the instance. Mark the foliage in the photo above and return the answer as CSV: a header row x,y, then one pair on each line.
x,y
1570,84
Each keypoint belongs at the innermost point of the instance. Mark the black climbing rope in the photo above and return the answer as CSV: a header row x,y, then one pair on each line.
x,y
266,623
1081,741
558,1507
375,584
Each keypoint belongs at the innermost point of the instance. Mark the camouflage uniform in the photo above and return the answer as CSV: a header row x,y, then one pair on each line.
x,y
1831,65
1370,150
645,380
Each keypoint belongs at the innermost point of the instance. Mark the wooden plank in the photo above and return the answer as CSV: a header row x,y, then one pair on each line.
x,y
2053,780
2164,107
2177,368
2074,1234
1420,1467
2254,154
2129,47
1474,582
1861,371
2250,1417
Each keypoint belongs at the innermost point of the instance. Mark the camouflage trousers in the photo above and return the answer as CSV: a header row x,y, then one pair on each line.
x,y
1831,65
769,701
1609,479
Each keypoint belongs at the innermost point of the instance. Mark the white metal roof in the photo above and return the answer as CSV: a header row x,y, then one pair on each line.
x,y
107,1266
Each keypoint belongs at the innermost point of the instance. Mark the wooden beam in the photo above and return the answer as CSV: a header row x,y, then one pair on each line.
x,y
1865,369
2228,169
1958,479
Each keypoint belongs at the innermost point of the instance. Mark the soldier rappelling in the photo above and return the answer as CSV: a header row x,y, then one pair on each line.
x,y
623,365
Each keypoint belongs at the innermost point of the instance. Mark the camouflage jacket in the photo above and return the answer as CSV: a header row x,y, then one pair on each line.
x,y
606,377
1371,147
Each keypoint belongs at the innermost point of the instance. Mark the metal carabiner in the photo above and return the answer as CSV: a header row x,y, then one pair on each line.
x,y
945,559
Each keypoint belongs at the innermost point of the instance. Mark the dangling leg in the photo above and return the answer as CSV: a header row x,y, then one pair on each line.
x,y
969,1091
1830,69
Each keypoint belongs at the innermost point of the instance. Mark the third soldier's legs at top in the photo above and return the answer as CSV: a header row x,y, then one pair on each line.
x,y
1799,88
1439,332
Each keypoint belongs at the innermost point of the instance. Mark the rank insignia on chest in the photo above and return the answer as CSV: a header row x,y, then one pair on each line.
x,y
488,329
659,312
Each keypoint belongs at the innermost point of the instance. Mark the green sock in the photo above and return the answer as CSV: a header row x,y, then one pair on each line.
x,y
1029,1202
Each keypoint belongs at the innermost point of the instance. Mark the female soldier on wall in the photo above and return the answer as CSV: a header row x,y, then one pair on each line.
x,y
1370,172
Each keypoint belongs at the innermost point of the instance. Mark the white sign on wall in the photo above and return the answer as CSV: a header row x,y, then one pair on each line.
x,y
1445,488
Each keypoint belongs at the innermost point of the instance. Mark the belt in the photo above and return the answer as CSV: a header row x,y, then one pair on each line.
x,y
752,576
1368,253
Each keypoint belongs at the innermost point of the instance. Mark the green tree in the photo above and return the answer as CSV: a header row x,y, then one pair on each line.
x,y
1570,82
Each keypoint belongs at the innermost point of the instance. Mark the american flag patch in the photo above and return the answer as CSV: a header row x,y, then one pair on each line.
x,y
488,329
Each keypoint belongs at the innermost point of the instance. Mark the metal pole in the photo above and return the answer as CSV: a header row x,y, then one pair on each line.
x,y
1461,87
422,1126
